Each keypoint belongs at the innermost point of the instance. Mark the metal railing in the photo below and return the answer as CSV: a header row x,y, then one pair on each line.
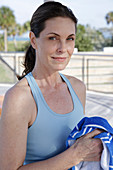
x,y
94,69
103,78
11,62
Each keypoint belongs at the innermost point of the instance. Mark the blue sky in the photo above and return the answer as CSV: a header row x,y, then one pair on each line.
x,y
90,12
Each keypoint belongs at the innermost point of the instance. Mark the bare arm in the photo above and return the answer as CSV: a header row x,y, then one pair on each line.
x,y
84,149
13,132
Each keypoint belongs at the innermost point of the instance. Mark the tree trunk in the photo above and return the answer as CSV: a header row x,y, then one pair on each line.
x,y
15,42
5,39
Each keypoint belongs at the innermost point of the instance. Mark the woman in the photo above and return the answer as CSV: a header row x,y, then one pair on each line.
x,y
41,110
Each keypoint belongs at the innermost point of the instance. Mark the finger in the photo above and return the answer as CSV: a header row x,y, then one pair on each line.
x,y
94,158
94,133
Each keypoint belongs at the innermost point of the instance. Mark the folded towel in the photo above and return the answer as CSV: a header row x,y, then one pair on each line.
x,y
87,125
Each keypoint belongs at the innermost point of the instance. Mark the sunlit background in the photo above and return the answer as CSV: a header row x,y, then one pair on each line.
x,y
95,19
92,60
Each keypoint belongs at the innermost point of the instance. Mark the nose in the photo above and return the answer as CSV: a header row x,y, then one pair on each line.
x,y
62,46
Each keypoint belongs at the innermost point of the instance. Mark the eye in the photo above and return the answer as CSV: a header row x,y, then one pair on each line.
x,y
52,38
71,38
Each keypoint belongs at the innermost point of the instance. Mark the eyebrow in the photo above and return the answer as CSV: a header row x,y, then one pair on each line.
x,y
59,35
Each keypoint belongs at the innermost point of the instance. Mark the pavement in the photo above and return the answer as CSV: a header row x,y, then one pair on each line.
x,y
97,104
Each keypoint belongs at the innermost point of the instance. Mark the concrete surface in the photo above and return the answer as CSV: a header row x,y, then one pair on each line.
x,y
98,104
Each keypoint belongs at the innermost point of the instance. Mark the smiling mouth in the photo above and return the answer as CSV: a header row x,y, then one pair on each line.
x,y
60,59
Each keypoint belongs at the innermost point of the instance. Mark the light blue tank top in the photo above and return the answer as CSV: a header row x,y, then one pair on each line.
x,y
47,136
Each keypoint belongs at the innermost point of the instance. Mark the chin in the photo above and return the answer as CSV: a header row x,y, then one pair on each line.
x,y
60,68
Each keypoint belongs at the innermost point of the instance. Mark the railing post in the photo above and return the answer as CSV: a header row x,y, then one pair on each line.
x,y
14,68
19,65
87,74
83,69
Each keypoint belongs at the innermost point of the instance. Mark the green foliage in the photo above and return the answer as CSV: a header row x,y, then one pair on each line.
x,y
89,39
13,30
83,42
21,46
109,17
26,26
20,29
109,42
96,37
7,18
24,46
1,42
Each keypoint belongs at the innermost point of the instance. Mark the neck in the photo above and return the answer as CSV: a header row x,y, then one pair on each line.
x,y
47,79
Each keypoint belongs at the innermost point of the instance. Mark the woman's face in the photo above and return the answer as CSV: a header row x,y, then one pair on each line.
x,y
55,44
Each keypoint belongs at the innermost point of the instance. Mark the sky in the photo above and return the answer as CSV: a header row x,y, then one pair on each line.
x,y
91,12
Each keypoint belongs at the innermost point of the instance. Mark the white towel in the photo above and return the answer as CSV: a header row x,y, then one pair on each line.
x,y
87,125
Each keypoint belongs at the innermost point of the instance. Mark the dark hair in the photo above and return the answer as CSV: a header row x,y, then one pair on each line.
x,y
46,11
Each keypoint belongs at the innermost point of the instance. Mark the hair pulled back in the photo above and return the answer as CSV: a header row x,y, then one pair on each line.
x,y
44,12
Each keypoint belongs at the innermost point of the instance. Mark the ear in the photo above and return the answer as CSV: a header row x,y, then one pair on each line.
x,y
32,39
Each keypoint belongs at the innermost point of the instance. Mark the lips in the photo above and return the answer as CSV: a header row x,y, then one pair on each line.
x,y
60,59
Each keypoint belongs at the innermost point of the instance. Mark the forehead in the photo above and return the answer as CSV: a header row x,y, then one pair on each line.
x,y
59,24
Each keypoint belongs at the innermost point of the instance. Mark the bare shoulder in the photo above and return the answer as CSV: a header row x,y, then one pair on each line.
x,y
79,88
17,93
76,83
17,100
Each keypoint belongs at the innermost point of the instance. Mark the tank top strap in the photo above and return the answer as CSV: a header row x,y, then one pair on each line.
x,y
73,93
67,82
33,86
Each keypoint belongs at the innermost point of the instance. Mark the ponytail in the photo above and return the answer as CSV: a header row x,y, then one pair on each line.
x,y
29,61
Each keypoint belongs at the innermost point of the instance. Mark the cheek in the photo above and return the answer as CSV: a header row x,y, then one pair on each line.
x,y
49,47
71,49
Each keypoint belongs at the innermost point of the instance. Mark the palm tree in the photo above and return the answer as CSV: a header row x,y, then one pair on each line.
x,y
7,20
26,26
1,43
109,17
14,30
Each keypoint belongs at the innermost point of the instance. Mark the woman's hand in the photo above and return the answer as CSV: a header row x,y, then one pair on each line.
x,y
87,148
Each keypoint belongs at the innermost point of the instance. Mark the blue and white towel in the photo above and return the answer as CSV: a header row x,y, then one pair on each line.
x,y
87,125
